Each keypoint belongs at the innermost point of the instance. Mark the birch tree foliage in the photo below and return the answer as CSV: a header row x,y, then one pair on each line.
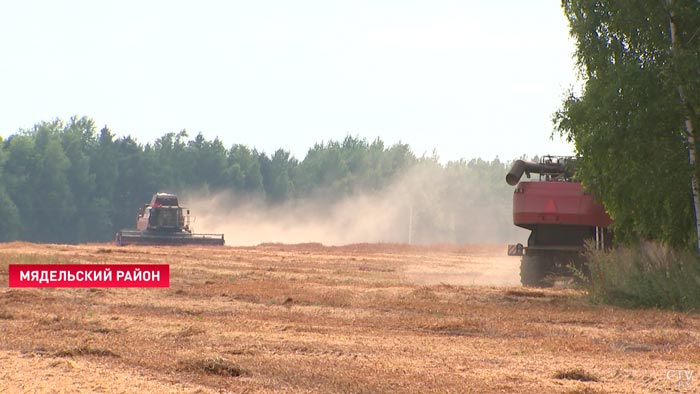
x,y
628,122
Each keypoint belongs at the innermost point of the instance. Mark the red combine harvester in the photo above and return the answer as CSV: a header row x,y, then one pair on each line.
x,y
560,216
164,222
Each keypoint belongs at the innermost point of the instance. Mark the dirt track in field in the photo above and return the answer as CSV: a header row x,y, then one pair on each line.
x,y
314,319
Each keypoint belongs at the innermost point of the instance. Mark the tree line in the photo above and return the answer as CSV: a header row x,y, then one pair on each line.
x,y
67,182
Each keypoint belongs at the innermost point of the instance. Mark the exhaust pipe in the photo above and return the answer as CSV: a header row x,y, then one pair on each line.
x,y
521,166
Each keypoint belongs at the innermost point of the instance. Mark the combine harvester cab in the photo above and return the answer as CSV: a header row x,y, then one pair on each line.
x,y
561,217
164,222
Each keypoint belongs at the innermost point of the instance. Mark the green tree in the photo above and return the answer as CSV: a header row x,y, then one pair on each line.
x,y
628,123
276,175
209,162
243,170
54,206
103,164
325,168
174,165
19,170
9,214
136,180
78,139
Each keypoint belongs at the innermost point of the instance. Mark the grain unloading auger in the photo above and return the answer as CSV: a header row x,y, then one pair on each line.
x,y
164,222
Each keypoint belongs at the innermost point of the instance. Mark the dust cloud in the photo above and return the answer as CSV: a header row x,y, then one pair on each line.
x,y
469,269
427,204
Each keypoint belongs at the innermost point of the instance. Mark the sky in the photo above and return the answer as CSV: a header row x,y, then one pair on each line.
x,y
466,79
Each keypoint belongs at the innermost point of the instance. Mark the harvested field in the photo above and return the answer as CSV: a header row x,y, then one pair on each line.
x,y
312,319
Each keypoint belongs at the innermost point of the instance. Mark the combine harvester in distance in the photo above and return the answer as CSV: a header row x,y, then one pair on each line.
x,y
164,222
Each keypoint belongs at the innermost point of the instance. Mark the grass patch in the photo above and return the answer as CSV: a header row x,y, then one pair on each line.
x,y
525,293
37,351
466,327
6,315
186,332
211,366
584,390
101,330
576,374
85,351
647,275
33,258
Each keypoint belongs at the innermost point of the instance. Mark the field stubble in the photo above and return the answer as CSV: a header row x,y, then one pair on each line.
x,y
313,319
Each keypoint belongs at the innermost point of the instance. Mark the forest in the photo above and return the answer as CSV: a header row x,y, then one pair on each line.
x,y
68,182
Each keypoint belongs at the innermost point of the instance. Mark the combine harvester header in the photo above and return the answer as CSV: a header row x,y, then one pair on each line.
x,y
164,222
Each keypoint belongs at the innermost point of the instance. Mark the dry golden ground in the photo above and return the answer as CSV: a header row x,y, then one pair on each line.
x,y
314,319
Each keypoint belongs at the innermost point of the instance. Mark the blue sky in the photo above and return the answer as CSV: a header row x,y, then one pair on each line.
x,y
466,78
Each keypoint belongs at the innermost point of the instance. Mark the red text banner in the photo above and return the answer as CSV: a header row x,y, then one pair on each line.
x,y
89,275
